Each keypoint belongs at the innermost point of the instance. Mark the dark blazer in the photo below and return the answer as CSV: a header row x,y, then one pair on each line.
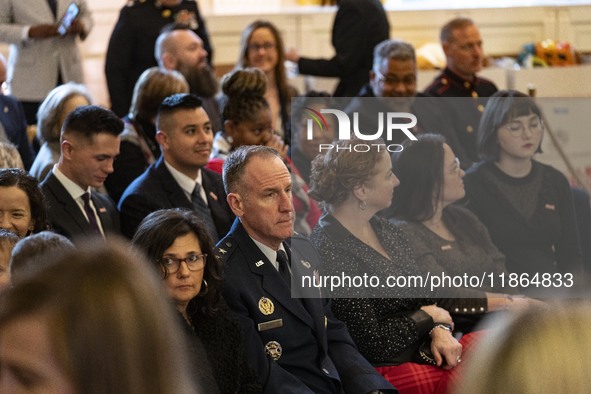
x,y
317,352
65,215
131,46
464,112
12,117
358,27
157,189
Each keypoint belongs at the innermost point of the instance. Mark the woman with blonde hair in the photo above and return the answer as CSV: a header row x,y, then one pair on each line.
x,y
94,321
542,350
50,117
400,328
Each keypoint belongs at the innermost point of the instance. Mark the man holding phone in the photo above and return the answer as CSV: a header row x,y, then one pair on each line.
x,y
40,58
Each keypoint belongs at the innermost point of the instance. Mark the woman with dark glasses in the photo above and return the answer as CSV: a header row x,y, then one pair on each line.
x,y
180,248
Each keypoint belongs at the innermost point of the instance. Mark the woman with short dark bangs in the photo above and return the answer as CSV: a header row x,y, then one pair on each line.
x,y
181,250
527,206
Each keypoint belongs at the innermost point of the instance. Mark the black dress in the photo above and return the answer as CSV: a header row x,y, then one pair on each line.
x,y
221,337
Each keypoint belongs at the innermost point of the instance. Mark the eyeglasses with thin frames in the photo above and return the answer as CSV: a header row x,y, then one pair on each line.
x,y
516,128
195,262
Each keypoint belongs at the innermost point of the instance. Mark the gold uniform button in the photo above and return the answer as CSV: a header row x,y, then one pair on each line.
x,y
469,129
474,94
444,81
480,107
166,13
467,84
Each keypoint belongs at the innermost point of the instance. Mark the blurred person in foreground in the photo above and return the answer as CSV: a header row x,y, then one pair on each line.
x,y
95,321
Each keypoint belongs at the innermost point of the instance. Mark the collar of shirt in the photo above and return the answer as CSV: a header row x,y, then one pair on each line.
x,y
270,253
187,183
72,188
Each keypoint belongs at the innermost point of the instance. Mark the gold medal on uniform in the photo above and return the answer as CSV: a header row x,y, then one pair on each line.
x,y
273,350
266,306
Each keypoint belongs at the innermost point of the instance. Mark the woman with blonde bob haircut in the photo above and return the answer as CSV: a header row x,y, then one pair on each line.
x,y
543,350
91,322
50,117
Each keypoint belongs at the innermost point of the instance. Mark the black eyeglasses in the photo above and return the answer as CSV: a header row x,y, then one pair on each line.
x,y
195,262
407,80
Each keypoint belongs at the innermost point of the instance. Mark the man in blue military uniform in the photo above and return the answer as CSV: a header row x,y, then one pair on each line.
x,y
462,45
131,47
294,344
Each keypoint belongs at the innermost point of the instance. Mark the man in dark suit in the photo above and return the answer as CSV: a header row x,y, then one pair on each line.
x,y
462,45
178,178
294,344
131,46
89,145
358,27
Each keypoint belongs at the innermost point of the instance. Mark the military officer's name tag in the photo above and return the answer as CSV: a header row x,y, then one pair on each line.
x,y
270,324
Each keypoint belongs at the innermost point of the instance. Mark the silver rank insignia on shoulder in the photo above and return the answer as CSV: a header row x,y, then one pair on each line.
x,y
259,263
223,251
306,264
266,306
274,350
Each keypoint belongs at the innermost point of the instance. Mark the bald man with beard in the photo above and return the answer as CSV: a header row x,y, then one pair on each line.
x,y
180,49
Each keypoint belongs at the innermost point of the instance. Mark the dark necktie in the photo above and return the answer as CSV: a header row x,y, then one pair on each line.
x,y
53,6
204,212
90,213
284,267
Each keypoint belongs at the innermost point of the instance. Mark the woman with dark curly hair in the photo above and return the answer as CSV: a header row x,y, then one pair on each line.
x,y
22,207
180,248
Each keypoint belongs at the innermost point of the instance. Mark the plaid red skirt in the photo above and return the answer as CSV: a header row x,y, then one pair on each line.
x,y
411,378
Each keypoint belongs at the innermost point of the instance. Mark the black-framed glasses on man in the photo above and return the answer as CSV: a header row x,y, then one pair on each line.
x,y
408,80
194,261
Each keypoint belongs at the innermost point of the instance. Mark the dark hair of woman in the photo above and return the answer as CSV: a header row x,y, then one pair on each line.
x,y
501,108
30,185
158,231
280,72
419,167
244,94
